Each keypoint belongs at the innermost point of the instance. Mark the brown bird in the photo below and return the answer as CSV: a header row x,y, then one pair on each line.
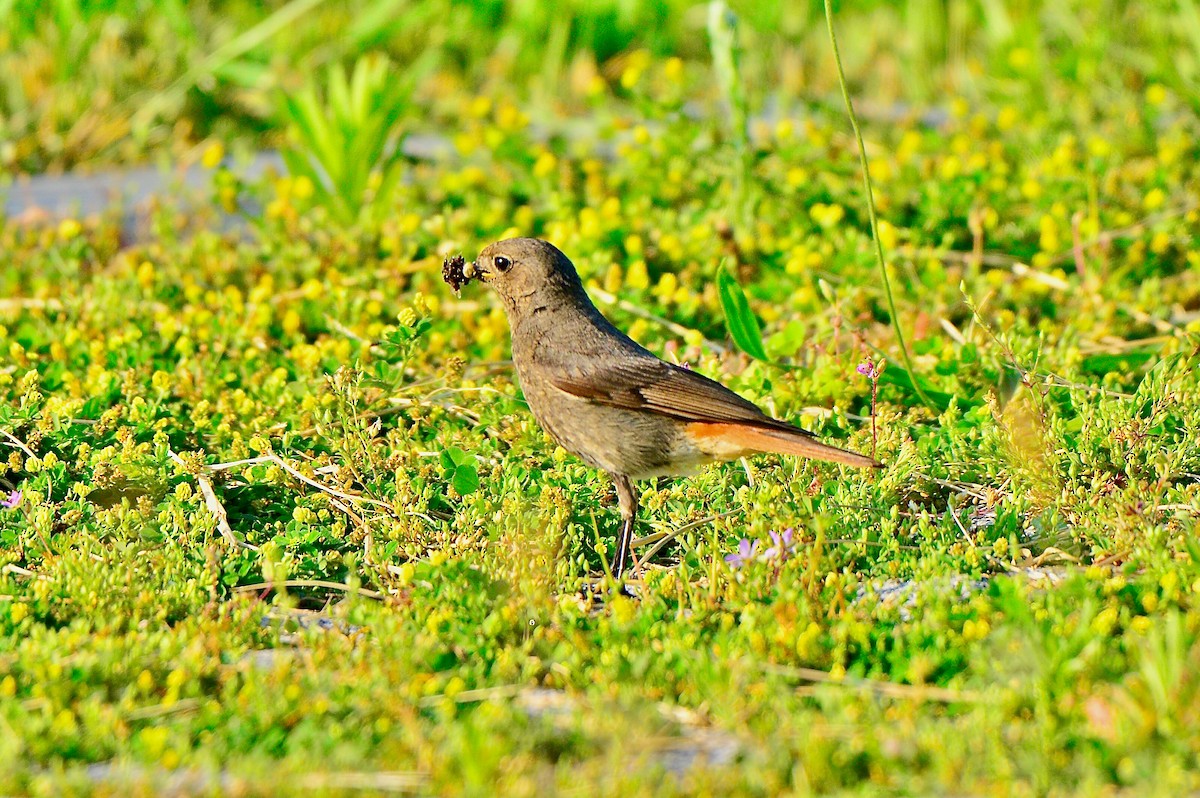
x,y
607,399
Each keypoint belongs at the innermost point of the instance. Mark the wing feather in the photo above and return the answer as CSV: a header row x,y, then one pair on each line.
x,y
646,383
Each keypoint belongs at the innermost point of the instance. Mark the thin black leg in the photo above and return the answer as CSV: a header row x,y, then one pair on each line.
x,y
628,499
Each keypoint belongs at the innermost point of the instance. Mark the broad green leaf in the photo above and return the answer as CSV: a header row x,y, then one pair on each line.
x,y
739,319
465,480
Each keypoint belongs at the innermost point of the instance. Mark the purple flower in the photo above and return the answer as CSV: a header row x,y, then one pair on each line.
x,y
783,545
867,369
12,501
744,554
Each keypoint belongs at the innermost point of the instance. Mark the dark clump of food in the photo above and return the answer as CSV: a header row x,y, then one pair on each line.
x,y
452,272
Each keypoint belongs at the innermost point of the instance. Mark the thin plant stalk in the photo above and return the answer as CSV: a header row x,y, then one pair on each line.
x,y
869,187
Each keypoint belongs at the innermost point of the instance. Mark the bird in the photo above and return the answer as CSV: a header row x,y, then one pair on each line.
x,y
607,399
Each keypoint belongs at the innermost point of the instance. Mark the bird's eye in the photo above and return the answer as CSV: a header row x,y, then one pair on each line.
x,y
502,263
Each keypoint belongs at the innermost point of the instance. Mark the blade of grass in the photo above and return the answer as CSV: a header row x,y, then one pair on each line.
x,y
866,172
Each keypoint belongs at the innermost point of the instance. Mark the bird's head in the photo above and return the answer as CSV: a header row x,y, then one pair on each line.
x,y
525,272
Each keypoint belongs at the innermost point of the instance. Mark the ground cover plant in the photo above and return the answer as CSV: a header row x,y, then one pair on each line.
x,y
275,517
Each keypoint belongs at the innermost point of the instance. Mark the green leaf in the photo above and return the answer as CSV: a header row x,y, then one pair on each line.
x,y
465,480
459,470
739,319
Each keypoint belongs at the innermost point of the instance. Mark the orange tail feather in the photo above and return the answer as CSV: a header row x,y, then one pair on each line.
x,y
728,438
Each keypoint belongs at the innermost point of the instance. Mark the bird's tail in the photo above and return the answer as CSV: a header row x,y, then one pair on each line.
x,y
800,443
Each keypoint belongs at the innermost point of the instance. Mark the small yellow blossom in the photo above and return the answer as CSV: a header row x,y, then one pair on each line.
x,y
69,229
302,188
887,235
290,322
1019,58
1154,199
612,279
673,69
212,156
545,165
1008,117
637,277
798,176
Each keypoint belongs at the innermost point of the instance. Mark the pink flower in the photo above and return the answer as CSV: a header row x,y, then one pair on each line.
x,y
867,369
12,501
782,545
745,553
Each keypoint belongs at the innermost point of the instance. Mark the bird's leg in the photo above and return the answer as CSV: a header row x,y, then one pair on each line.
x,y
628,500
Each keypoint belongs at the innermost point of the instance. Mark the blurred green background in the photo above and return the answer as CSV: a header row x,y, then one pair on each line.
x,y
116,81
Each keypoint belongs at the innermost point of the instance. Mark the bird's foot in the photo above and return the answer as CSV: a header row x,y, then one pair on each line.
x,y
598,589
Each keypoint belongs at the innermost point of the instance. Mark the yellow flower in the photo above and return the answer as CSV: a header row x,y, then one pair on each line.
x,y
637,277
667,285
589,223
509,117
545,165
671,246
302,187
1049,240
1008,117
1156,94
1154,199
523,217
827,215
612,279
290,321
797,176
145,274
480,107
1105,620
610,208
1020,58
950,168
975,629
212,156
673,69
887,235
1099,147
68,229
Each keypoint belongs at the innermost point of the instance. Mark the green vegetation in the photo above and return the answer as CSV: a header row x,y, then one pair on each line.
x,y
275,517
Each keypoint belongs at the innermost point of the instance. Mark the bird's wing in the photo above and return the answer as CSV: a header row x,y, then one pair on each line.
x,y
647,383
